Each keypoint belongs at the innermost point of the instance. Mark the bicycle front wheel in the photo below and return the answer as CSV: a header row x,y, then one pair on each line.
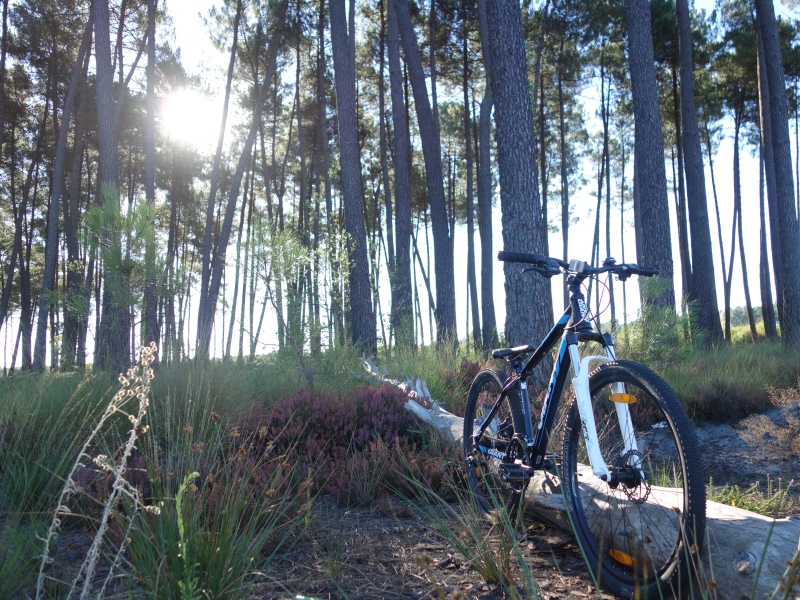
x,y
640,532
485,458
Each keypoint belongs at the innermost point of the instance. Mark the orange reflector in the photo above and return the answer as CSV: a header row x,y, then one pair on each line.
x,y
621,557
623,398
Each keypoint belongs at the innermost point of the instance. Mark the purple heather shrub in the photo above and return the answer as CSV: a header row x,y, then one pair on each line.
x,y
345,438
313,424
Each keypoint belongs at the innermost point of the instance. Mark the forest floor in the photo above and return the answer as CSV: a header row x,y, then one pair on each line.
x,y
394,550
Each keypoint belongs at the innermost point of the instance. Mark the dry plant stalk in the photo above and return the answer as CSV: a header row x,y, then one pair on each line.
x,y
790,579
135,387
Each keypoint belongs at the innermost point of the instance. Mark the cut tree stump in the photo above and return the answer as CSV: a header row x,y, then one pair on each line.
x,y
745,554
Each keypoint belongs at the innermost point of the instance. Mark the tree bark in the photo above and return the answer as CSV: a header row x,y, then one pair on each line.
x,y
528,299
679,188
650,178
403,314
767,304
387,186
726,330
703,282
489,320
471,278
431,149
3,52
767,147
784,184
112,352
150,327
563,170
362,317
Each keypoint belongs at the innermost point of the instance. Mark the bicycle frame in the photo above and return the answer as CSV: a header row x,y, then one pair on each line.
x,y
536,443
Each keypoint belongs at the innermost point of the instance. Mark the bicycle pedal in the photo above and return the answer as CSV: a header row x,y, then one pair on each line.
x,y
515,473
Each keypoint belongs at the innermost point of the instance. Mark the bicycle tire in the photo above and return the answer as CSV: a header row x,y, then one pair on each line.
x,y
489,491
639,541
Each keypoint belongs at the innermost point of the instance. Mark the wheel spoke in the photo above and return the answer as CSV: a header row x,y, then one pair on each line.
x,y
631,530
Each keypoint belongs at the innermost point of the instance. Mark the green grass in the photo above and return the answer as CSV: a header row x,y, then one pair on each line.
x,y
775,499
726,383
248,506
732,382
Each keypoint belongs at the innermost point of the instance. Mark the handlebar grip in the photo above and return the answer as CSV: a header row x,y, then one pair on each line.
x,y
522,257
647,271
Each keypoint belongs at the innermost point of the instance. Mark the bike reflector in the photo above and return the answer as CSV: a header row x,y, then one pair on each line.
x,y
622,558
623,398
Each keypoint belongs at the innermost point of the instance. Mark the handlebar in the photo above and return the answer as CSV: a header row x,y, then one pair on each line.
x,y
549,266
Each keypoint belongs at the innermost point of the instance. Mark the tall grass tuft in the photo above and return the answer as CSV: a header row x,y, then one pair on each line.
x,y
228,506
492,547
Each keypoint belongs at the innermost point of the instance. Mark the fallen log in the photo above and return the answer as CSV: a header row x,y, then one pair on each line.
x,y
745,554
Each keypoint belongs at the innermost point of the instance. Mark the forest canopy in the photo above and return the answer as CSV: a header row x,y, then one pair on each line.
x,y
350,173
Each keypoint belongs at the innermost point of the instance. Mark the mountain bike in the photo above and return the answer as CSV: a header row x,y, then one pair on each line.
x,y
629,466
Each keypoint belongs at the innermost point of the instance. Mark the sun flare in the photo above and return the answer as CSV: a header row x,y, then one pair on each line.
x,y
191,118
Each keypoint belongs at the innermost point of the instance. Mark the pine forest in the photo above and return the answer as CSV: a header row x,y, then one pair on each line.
x,y
347,172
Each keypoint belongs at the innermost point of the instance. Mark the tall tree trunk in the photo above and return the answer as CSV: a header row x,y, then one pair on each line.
x,y
489,321
208,301
787,218
704,287
737,206
610,285
431,148
769,173
73,315
387,187
650,178
767,305
680,197
562,138
523,230
322,132
402,300
748,304
3,52
471,279
150,327
362,317
432,64
51,244
237,276
112,347
304,202
727,330
205,270
16,249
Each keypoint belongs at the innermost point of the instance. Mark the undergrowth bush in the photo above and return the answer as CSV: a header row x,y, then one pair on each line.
x,y
349,440
732,382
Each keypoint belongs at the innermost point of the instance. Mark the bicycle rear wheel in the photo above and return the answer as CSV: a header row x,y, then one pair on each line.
x,y
497,445
640,534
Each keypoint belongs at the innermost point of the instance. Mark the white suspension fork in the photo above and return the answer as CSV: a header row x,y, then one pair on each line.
x,y
580,383
624,418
